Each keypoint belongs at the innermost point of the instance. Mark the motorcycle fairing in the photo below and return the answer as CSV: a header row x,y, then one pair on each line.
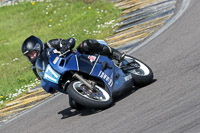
x,y
114,78
85,64
73,62
82,63
61,65
50,80
107,74
49,86
93,65
122,82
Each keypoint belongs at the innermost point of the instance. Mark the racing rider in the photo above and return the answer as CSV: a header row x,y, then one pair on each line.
x,y
33,48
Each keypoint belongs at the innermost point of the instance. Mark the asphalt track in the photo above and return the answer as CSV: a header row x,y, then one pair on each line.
x,y
169,105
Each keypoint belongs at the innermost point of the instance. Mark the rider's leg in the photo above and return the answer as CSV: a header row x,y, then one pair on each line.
x,y
112,53
91,46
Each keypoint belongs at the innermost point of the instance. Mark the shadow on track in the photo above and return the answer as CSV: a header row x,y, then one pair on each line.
x,y
69,112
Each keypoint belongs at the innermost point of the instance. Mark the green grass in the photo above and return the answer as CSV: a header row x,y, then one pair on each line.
x,y
47,20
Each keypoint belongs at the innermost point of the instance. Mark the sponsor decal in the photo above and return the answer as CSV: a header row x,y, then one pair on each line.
x,y
106,78
92,58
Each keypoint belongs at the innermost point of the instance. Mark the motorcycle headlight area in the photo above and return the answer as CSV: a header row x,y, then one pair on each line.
x,y
51,75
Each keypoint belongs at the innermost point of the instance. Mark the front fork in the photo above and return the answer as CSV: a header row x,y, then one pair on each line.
x,y
89,85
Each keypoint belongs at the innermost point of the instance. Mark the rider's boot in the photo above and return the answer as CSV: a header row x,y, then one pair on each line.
x,y
117,55
113,54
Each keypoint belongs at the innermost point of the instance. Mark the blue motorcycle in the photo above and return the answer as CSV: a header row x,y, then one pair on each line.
x,y
91,80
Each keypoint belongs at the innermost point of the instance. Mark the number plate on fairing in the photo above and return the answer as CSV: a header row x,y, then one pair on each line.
x,y
51,75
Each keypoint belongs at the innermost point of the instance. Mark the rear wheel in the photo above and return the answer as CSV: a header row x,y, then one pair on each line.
x,y
142,73
98,98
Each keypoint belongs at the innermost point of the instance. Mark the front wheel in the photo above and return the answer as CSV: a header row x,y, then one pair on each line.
x,y
98,98
142,73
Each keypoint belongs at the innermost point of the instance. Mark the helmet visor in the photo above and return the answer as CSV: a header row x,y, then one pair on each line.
x,y
32,55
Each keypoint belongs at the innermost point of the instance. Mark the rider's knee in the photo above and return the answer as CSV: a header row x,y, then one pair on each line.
x,y
88,46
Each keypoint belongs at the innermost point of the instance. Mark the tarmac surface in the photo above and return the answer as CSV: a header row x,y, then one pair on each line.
x,y
169,105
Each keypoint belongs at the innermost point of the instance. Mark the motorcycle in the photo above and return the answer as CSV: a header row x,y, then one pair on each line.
x,y
91,80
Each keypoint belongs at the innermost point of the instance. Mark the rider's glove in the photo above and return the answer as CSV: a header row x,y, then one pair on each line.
x,y
64,49
66,45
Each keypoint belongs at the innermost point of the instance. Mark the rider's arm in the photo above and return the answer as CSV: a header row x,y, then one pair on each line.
x,y
35,72
61,44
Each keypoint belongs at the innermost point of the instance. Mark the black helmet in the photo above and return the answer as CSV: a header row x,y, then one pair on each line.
x,y
32,48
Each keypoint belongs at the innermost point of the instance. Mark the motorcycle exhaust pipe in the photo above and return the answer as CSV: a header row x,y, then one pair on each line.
x,y
83,80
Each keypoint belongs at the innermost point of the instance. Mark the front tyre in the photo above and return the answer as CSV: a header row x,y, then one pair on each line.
x,y
99,98
142,75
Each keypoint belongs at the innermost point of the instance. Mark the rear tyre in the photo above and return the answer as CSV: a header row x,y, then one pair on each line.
x,y
98,99
143,75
